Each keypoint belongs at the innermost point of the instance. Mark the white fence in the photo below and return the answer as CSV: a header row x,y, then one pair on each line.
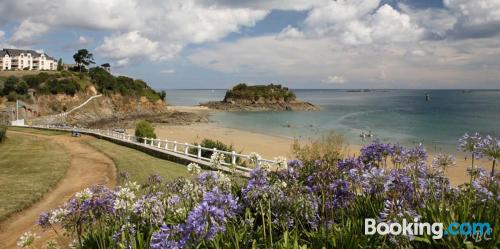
x,y
186,151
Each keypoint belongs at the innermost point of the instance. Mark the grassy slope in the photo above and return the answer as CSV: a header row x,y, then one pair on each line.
x,y
138,164
29,166
37,131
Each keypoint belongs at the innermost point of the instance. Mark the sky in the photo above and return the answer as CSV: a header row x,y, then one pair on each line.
x,y
214,44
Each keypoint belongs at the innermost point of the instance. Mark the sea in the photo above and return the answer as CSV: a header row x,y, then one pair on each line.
x,y
435,118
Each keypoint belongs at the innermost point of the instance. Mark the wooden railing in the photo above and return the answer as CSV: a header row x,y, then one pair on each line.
x,y
238,162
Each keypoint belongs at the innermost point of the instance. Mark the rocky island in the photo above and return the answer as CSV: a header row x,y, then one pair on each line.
x,y
260,98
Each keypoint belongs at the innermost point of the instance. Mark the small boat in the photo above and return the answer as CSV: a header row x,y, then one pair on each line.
x,y
427,97
370,134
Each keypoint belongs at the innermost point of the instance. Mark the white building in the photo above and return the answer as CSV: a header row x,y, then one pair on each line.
x,y
17,59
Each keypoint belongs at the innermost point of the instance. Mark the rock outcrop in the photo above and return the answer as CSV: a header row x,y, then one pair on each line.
x,y
260,98
261,106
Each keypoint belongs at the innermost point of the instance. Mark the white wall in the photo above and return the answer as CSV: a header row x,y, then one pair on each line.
x,y
5,65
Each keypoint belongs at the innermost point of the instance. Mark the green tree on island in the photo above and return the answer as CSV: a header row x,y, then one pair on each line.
x,y
83,58
144,129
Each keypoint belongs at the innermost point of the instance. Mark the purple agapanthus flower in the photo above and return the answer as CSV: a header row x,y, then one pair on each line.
x,y
485,185
414,155
169,237
349,163
341,194
43,220
259,188
375,153
471,144
373,180
399,185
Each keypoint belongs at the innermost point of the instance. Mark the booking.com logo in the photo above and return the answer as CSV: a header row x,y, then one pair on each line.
x,y
476,231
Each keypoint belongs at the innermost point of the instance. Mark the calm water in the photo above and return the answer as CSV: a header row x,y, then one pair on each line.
x,y
392,115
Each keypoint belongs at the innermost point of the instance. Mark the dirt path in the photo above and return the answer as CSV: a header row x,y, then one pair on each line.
x,y
88,167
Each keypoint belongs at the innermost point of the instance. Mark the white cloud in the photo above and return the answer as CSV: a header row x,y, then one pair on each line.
x,y
82,40
3,42
167,71
401,65
289,33
335,79
298,5
475,12
166,25
122,47
479,18
360,22
358,40
27,30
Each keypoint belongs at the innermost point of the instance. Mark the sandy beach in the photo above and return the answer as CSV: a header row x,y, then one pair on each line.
x,y
272,146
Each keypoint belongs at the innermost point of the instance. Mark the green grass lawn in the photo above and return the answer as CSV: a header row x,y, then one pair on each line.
x,y
139,165
37,131
29,166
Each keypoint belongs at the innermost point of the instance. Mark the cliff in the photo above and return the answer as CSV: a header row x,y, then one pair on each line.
x,y
121,100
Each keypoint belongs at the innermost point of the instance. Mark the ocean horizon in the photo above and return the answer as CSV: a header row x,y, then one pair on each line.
x,y
391,115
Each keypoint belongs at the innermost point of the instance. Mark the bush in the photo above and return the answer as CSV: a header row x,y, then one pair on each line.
x,y
329,149
10,85
109,84
144,129
209,143
12,96
3,133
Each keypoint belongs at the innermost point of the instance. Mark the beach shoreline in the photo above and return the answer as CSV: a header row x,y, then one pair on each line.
x,y
271,146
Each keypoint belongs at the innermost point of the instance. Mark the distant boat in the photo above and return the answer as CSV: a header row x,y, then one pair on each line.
x,y
427,97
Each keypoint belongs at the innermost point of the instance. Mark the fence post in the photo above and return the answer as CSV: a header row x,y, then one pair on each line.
x,y
144,139
186,148
199,151
159,143
175,146
233,157
166,144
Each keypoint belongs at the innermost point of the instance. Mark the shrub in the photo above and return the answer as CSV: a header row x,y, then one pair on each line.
x,y
209,143
329,149
3,133
144,129
10,85
33,81
109,84
12,96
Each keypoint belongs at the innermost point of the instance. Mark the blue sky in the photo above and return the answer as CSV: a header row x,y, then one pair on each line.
x,y
303,44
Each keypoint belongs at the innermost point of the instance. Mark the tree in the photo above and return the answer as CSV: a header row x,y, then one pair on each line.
x,y
22,88
163,94
59,65
144,129
83,58
10,85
